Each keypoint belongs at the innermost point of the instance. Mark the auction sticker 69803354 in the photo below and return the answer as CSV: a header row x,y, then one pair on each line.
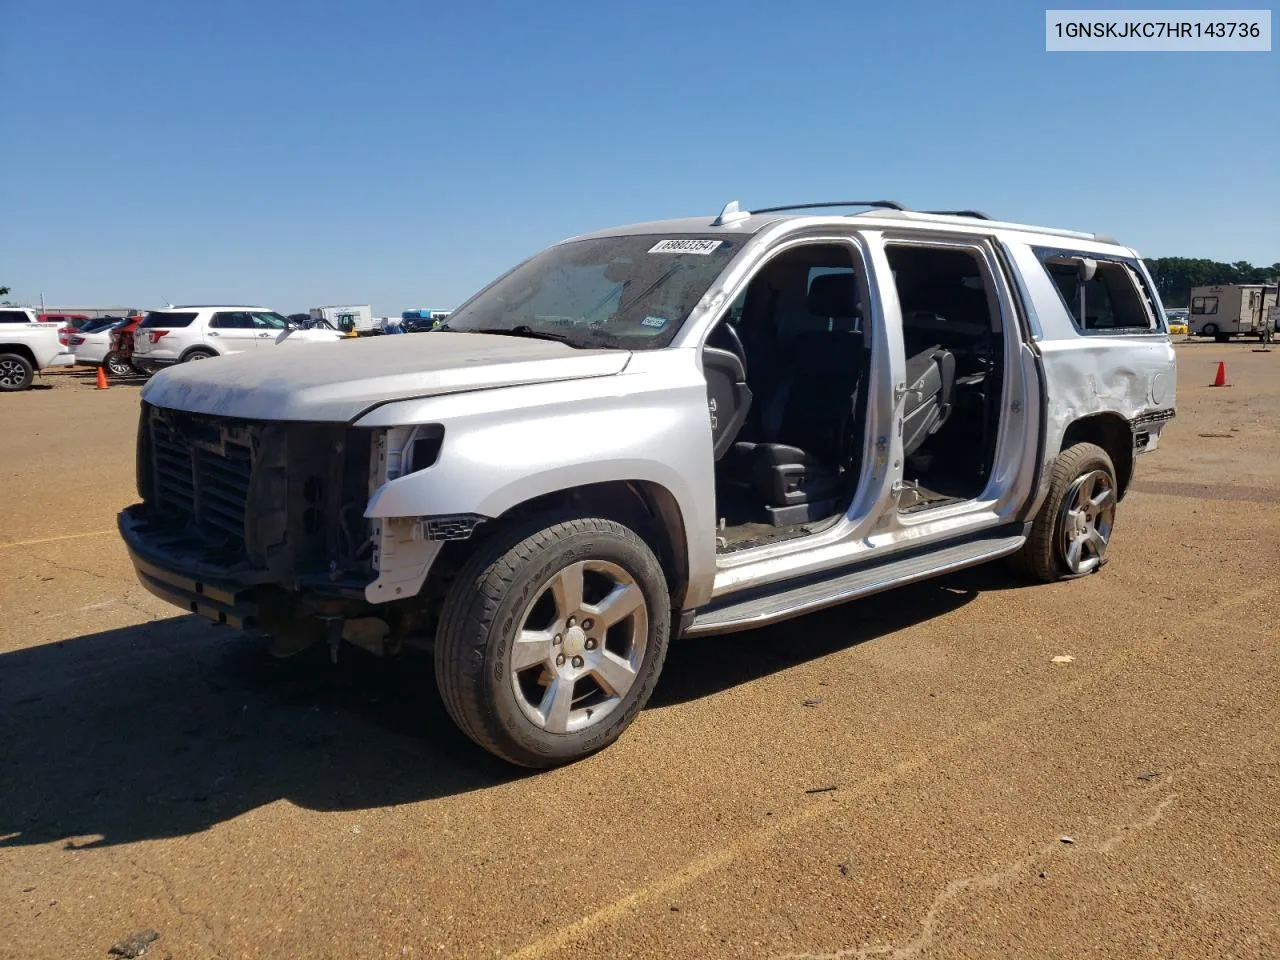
x,y
702,247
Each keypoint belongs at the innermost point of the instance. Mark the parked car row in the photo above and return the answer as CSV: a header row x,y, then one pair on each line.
x,y
200,332
142,344
161,338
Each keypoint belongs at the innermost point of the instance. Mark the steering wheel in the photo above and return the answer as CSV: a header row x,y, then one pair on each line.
x,y
728,332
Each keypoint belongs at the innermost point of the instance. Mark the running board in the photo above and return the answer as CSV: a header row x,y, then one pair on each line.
x,y
814,592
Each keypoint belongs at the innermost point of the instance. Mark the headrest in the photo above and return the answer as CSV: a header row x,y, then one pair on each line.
x,y
834,295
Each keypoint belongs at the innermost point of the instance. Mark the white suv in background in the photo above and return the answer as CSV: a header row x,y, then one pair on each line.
x,y
198,332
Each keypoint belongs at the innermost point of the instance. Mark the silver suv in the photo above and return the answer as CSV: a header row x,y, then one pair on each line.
x,y
668,429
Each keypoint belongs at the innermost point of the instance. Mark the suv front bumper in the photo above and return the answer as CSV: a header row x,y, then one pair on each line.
x,y
185,582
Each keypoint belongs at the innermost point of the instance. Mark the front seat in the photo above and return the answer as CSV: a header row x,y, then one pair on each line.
x,y
799,463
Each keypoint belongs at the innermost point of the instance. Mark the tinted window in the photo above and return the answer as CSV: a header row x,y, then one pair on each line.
x,y
167,318
101,324
1204,305
13,316
232,320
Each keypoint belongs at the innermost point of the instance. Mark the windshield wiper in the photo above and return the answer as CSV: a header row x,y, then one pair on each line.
x,y
651,287
524,330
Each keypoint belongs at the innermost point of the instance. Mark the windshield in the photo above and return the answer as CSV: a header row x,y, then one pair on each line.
x,y
630,292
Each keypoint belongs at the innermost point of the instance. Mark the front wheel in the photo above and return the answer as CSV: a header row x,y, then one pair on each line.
x,y
551,639
1072,532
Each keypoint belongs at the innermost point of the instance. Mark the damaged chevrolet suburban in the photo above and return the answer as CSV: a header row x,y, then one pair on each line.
x,y
668,429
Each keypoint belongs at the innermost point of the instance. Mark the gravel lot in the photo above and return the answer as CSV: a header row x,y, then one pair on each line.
x,y
952,793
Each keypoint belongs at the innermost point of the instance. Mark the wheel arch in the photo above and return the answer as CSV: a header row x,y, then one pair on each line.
x,y
646,507
20,350
1112,433
197,348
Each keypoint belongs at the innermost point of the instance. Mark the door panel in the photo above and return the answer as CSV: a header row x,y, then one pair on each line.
x,y
232,331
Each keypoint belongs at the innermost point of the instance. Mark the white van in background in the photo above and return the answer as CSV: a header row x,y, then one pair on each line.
x,y
1224,310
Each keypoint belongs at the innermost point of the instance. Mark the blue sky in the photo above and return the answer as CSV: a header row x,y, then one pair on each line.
x,y
403,153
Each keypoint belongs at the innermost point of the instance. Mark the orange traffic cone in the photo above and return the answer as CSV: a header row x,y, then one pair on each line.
x,y
102,379
1221,379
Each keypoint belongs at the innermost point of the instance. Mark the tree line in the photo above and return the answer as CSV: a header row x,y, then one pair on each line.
x,y
1175,276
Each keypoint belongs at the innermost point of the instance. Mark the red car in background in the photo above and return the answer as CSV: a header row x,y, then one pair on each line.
x,y
122,339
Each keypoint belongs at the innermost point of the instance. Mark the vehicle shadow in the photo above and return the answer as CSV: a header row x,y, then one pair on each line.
x,y
700,666
168,728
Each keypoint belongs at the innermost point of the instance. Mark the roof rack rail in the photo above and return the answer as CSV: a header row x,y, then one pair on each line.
x,y
975,214
887,204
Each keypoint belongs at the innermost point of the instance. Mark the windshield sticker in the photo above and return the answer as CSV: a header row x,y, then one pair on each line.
x,y
656,322
701,247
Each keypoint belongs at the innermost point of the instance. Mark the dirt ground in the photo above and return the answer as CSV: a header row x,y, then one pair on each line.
x,y
952,793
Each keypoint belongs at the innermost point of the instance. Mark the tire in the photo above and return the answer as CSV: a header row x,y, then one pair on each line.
x,y
509,587
16,372
199,353
1045,556
116,366
1209,330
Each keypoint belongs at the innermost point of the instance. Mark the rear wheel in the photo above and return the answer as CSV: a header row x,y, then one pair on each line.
x,y
16,372
116,366
1072,532
551,639
199,353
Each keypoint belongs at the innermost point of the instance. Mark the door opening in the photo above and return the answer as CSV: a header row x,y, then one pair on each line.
x,y
786,369
954,345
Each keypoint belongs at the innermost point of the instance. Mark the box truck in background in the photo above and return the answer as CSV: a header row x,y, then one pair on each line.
x,y
347,317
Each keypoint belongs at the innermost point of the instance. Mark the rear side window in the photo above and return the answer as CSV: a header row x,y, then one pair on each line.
x,y
1114,299
1204,305
13,316
232,320
157,318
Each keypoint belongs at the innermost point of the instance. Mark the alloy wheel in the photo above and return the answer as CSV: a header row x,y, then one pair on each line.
x,y
12,372
1088,513
581,643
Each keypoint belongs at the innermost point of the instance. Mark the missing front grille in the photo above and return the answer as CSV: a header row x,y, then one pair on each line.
x,y
201,474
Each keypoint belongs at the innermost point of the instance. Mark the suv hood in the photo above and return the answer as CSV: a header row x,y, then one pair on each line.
x,y
336,382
